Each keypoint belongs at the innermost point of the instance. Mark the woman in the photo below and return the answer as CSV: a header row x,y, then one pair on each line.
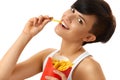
x,y
88,21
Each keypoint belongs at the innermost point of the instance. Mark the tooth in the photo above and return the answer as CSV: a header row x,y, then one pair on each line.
x,y
64,25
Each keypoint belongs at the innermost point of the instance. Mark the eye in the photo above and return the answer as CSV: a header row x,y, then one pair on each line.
x,y
73,10
80,21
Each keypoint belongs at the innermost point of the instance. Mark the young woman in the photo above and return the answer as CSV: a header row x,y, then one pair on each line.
x,y
88,21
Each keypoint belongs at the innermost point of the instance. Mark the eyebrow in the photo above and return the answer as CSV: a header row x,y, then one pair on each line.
x,y
82,18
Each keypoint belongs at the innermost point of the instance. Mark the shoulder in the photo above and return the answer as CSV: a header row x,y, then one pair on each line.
x,y
46,52
43,53
90,68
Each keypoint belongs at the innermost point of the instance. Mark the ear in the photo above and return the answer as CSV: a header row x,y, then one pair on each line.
x,y
89,38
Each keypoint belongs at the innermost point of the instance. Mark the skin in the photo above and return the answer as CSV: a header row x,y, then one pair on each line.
x,y
71,47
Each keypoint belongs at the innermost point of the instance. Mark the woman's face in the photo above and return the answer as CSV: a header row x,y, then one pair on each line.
x,y
75,26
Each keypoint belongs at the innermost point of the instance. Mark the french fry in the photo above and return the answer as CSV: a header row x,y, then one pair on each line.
x,y
61,65
55,20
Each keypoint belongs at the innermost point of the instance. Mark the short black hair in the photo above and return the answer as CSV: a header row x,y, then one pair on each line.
x,y
105,25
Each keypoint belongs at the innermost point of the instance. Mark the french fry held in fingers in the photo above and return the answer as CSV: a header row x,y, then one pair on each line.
x,y
55,20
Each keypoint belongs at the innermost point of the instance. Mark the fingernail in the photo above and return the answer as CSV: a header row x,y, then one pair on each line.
x,y
46,77
55,71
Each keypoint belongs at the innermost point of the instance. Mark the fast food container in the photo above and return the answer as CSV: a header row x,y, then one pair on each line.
x,y
48,71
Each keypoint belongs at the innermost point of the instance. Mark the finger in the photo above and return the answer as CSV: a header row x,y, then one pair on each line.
x,y
46,20
37,20
46,16
43,20
40,19
62,75
31,20
50,78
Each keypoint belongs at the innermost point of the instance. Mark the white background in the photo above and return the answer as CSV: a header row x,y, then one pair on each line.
x,y
15,13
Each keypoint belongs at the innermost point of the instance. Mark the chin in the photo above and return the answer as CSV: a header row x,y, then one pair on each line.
x,y
58,32
61,31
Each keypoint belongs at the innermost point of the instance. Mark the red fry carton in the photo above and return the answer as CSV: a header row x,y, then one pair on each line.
x,y
48,71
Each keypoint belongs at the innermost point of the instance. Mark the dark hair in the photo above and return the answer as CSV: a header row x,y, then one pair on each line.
x,y
105,25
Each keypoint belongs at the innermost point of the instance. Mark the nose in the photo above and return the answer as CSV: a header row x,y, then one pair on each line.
x,y
68,17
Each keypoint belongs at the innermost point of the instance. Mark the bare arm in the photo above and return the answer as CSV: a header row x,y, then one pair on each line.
x,y
89,69
8,62
31,66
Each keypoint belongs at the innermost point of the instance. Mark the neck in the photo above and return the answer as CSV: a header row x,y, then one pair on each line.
x,y
70,48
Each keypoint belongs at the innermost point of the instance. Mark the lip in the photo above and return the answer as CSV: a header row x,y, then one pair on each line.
x,y
64,24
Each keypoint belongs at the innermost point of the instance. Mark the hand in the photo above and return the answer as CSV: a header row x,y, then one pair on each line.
x,y
62,75
35,25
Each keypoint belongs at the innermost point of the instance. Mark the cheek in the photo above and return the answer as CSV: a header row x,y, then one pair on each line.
x,y
79,34
79,31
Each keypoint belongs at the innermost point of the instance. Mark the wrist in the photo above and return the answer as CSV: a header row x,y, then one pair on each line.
x,y
26,36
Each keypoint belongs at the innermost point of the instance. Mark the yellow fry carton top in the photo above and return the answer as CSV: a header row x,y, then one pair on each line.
x,y
61,65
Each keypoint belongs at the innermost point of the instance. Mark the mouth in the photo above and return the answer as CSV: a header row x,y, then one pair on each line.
x,y
64,25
